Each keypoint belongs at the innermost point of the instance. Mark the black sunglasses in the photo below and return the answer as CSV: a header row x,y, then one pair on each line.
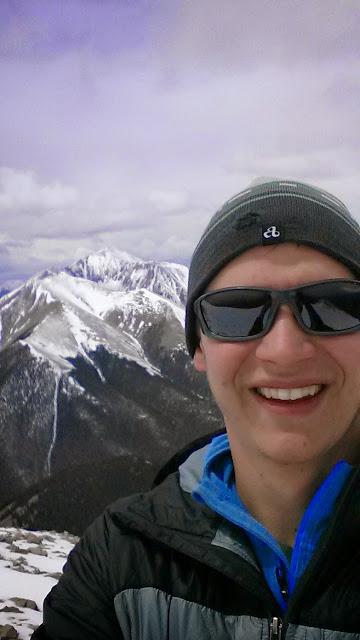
x,y
326,308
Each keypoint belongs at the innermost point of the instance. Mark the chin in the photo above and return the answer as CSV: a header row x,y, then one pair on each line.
x,y
296,450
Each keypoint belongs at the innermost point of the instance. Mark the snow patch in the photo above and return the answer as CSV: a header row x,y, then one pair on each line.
x,y
30,565
54,424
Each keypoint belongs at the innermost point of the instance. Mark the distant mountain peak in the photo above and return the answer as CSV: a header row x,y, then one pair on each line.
x,y
101,266
126,272
108,299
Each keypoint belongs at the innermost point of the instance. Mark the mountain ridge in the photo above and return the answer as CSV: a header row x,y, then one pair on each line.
x,y
96,367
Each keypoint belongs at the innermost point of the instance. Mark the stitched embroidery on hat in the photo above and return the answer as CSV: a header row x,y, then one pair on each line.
x,y
271,232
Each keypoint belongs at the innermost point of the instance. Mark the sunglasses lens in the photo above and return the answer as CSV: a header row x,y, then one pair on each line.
x,y
236,313
330,307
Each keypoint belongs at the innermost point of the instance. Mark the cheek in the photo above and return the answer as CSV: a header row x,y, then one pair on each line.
x,y
224,360
345,352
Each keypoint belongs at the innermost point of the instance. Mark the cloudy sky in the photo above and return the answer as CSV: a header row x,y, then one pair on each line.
x,y
126,123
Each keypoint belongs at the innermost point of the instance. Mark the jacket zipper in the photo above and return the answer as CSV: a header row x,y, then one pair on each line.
x,y
276,626
282,584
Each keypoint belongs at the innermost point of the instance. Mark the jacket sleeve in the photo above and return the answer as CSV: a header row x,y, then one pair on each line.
x,y
81,605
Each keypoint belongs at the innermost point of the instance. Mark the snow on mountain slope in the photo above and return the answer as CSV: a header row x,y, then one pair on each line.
x,y
93,368
30,565
124,272
62,315
79,327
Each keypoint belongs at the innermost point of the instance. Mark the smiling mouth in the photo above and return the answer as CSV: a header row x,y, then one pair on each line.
x,y
299,393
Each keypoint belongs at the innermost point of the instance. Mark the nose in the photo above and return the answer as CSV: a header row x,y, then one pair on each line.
x,y
286,343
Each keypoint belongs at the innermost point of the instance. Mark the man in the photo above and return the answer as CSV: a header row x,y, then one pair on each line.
x,y
256,534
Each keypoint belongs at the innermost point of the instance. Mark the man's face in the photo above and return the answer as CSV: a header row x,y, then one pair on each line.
x,y
242,375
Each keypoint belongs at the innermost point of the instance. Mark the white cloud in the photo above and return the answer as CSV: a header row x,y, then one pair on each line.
x,y
21,191
248,33
168,200
135,146
315,163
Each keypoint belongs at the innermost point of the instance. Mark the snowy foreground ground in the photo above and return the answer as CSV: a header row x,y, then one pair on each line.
x,y
30,565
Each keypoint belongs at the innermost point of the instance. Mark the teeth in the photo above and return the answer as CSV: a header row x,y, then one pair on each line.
x,y
289,394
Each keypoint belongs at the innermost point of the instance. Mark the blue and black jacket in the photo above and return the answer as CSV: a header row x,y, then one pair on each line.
x,y
163,565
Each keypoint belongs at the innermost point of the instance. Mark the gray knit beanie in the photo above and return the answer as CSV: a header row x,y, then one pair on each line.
x,y
271,213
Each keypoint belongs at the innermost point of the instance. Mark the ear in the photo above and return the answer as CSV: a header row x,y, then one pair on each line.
x,y
199,359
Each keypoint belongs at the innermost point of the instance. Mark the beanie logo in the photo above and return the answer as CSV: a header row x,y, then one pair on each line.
x,y
271,232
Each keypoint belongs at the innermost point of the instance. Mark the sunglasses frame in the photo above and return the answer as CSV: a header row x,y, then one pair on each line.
x,y
278,297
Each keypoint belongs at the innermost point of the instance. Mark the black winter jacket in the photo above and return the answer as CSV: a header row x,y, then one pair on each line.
x,y
161,566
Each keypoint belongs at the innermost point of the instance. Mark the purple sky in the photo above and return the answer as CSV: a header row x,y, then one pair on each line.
x,y
126,123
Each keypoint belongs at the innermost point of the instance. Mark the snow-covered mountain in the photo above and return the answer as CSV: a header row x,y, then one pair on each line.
x,y
124,272
61,315
93,366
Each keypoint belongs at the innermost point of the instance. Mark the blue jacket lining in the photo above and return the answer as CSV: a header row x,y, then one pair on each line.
x,y
217,489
